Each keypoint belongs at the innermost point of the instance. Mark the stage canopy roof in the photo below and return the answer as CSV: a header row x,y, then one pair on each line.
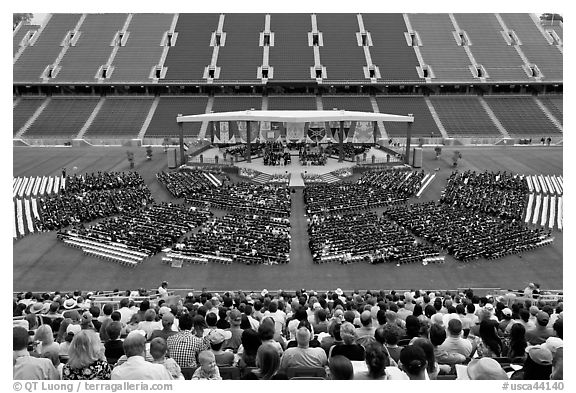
x,y
295,116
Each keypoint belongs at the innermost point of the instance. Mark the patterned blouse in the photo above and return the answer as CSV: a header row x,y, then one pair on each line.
x,y
100,369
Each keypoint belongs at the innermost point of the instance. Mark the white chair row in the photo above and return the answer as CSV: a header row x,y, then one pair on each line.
x,y
122,261
109,246
425,185
103,250
19,218
24,187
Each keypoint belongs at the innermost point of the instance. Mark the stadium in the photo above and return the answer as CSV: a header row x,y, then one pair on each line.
x,y
229,153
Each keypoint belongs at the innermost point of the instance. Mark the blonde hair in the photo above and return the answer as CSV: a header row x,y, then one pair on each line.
x,y
44,334
85,349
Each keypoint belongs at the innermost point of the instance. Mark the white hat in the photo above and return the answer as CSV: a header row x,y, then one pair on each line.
x,y
264,292
338,292
72,328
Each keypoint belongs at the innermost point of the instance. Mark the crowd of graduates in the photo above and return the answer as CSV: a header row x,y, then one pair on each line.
x,y
373,189
499,194
245,238
148,230
465,233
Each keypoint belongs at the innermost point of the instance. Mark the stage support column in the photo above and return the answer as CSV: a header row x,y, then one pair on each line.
x,y
249,137
408,138
375,127
181,137
341,141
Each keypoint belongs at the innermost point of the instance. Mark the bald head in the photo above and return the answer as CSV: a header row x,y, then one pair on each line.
x,y
167,320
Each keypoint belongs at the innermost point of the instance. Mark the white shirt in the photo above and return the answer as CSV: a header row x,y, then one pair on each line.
x,y
138,368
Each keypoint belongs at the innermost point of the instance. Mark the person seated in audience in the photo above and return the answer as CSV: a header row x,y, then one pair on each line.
x,y
389,335
166,330
432,366
334,337
267,332
540,332
54,357
488,342
367,329
113,348
45,340
86,358
377,360
208,368
349,347
314,343
413,362
454,343
158,351
185,345
537,366
303,355
481,369
340,368
149,324
136,367
26,367
515,344
443,357
235,319
248,349
217,338
320,324
268,364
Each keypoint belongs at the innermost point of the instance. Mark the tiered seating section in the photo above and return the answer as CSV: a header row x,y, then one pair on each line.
x,y
535,47
439,49
92,50
62,117
423,126
489,48
521,116
395,59
463,116
292,103
236,103
192,53
339,37
120,117
34,60
240,57
20,34
163,123
291,56
554,105
134,61
348,103
23,110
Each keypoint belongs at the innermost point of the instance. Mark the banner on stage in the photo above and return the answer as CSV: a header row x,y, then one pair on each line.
x,y
364,132
241,125
295,131
224,132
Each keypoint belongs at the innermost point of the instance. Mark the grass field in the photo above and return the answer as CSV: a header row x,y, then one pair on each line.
x,y
41,263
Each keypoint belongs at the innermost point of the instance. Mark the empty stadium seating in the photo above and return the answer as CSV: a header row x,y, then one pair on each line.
x,y
163,122
521,116
291,103
63,117
241,55
236,103
403,105
291,56
395,59
340,54
192,52
538,51
463,116
142,52
554,105
489,48
34,60
23,110
120,117
92,50
20,34
349,103
439,49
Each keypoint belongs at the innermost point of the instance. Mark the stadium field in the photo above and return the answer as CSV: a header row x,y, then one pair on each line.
x,y
42,263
